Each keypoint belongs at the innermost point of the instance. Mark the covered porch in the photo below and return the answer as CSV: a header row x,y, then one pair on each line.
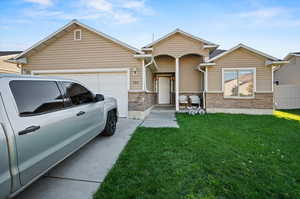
x,y
176,81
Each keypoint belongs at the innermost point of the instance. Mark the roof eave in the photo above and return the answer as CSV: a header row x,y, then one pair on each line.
x,y
276,63
246,47
181,32
290,55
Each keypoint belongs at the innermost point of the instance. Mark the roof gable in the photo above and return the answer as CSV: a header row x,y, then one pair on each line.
x,y
290,55
70,24
245,47
183,33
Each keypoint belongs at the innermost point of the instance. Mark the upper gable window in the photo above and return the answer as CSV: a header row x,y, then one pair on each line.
x,y
77,34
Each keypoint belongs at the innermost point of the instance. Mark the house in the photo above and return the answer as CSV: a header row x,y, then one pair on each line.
x,y
289,74
287,89
239,80
5,65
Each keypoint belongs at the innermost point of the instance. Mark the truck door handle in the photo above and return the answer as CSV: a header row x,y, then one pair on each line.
x,y
80,113
29,130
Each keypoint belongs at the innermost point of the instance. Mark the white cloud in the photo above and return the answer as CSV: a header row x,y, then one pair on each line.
x,y
121,11
41,2
138,6
264,13
270,17
124,18
133,4
116,11
101,5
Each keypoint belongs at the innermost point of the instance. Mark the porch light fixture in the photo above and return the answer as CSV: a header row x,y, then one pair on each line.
x,y
133,70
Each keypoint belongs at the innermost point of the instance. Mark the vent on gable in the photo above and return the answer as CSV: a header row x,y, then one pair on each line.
x,y
77,34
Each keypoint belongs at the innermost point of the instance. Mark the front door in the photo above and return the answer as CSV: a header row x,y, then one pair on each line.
x,y
164,90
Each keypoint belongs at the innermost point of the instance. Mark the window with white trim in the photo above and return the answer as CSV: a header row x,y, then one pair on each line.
x,y
77,34
238,83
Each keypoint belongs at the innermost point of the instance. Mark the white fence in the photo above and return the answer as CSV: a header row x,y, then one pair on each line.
x,y
287,97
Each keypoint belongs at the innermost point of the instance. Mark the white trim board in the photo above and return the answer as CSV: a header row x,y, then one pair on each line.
x,y
102,70
74,32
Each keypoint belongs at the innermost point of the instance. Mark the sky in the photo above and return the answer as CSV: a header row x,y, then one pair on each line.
x,y
272,26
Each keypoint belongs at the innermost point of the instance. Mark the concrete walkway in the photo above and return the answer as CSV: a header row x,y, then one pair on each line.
x,y
161,118
79,176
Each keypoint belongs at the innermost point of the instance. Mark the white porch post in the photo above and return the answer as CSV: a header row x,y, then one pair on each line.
x,y
144,75
177,84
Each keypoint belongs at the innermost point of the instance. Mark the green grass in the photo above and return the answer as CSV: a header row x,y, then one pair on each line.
x,y
216,156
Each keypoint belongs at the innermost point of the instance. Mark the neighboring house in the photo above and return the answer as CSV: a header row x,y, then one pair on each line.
x,y
239,80
5,65
290,73
287,78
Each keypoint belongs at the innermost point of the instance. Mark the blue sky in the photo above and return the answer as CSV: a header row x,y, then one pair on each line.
x,y
272,26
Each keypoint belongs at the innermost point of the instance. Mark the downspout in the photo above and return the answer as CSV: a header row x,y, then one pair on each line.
x,y
274,68
204,90
144,74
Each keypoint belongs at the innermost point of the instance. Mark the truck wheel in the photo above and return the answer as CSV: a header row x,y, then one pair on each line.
x,y
111,124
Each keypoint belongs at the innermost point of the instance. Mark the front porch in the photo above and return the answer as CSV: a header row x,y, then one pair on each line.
x,y
176,82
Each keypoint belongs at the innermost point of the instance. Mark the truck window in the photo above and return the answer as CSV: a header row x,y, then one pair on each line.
x,y
36,97
76,94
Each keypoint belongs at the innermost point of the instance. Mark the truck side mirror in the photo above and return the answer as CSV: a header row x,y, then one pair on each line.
x,y
99,98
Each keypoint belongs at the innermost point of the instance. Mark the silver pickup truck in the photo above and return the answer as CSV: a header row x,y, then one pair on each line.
x,y
43,120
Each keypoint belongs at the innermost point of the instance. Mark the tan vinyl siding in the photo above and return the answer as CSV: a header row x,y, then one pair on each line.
x,y
91,52
191,80
166,64
289,73
178,45
149,79
241,58
6,67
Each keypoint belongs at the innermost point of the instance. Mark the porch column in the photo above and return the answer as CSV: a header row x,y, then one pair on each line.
x,y
177,83
144,75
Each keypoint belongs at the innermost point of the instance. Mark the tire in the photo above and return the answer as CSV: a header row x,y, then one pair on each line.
x,y
111,124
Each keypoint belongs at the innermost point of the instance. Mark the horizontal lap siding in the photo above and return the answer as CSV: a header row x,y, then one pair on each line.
x,y
289,73
6,67
190,79
166,64
241,59
178,45
92,52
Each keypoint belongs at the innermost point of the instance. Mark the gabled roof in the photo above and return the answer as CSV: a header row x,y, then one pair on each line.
x,y
216,53
290,55
245,47
74,21
183,33
4,53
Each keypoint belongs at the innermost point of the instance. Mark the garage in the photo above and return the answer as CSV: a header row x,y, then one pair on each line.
x,y
110,84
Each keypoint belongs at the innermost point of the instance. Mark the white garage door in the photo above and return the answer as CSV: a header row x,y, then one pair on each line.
x,y
114,84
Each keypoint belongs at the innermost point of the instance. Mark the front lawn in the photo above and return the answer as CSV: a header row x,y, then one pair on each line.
x,y
212,156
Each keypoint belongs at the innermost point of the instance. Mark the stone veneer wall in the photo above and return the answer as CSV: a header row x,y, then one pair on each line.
x,y
141,101
261,101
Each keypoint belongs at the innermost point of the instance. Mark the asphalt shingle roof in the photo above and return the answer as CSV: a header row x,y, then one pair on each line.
x,y
4,53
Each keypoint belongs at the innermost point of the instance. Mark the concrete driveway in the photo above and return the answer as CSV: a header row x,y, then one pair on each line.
x,y
79,176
